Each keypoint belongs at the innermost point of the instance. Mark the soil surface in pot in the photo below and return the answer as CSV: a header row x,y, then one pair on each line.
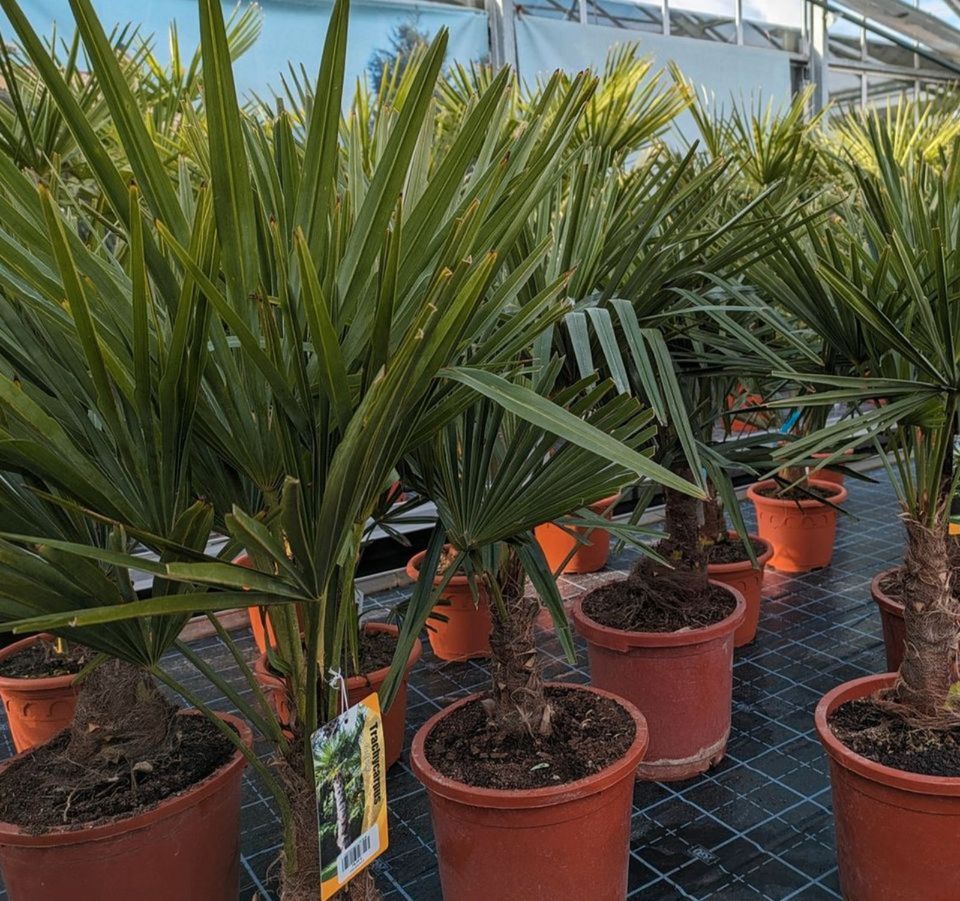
x,y
811,492
732,551
46,789
885,737
589,733
651,600
41,660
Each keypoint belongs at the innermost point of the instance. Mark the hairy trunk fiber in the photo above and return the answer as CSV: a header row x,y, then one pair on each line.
x,y
930,617
795,475
682,546
121,718
519,702
713,530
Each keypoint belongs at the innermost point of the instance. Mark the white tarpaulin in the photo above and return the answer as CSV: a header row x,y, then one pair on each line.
x,y
724,70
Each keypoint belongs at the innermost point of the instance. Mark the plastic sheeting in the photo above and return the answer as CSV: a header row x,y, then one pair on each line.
x,y
725,71
293,32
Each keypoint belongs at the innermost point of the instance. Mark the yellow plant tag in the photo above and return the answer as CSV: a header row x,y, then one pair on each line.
x,y
350,770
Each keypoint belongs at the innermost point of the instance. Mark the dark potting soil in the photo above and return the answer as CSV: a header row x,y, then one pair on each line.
x,y
810,493
883,736
41,660
589,733
732,551
658,601
46,789
376,651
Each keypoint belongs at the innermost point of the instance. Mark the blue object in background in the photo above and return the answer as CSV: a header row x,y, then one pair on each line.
x,y
292,32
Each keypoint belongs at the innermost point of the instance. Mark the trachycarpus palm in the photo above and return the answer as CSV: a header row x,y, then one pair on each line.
x,y
898,279
326,309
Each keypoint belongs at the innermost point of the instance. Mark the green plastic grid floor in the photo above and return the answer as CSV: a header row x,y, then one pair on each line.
x,y
758,826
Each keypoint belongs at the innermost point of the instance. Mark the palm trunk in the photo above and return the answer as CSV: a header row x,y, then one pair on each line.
x,y
713,530
343,814
930,617
520,704
682,546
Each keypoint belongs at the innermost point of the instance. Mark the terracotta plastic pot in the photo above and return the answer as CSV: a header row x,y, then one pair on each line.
x,y
37,709
897,832
259,624
802,532
187,847
565,841
586,558
464,631
891,619
682,681
358,687
829,475
748,580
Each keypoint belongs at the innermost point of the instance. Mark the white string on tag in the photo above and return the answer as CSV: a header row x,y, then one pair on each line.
x,y
336,676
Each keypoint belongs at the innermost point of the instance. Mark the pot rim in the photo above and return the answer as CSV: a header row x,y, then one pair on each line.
x,y
528,798
364,679
839,495
743,565
11,834
883,600
840,754
28,685
413,571
623,641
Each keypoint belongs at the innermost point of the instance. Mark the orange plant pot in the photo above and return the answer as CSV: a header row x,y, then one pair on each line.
x,y
464,632
260,626
682,681
37,709
744,426
186,847
564,842
358,688
747,579
828,475
802,532
897,832
891,620
591,557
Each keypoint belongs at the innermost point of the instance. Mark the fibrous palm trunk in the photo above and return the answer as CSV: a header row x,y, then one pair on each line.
x,y
682,545
930,618
343,814
520,703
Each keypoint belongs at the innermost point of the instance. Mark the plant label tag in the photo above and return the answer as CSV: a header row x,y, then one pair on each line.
x,y
349,767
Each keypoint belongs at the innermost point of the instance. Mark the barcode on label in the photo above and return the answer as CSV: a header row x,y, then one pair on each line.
x,y
358,853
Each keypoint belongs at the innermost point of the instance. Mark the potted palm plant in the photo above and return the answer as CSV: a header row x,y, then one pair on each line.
x,y
131,777
337,319
885,735
654,326
528,764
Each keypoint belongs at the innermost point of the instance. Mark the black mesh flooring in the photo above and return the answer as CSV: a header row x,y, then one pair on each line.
x,y
758,826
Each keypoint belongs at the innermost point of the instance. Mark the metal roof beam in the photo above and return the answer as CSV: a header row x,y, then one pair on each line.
x,y
912,23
